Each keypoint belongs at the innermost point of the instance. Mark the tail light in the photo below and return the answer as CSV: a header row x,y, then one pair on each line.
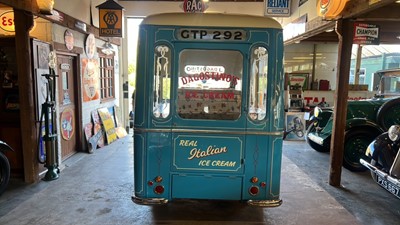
x,y
253,190
159,189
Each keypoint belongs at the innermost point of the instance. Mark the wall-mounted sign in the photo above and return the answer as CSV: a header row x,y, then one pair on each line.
x,y
69,40
65,66
299,80
90,80
366,34
110,19
330,9
90,47
7,21
277,8
80,25
67,124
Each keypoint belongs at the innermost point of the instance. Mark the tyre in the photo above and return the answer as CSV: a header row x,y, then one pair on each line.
x,y
4,172
356,142
313,145
389,114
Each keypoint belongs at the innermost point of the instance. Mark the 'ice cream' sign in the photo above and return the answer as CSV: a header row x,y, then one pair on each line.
x,y
207,153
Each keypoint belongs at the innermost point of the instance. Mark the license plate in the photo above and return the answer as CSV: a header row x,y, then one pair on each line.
x,y
389,186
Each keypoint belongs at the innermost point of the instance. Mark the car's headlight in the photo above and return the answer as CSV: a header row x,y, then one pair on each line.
x,y
394,133
317,111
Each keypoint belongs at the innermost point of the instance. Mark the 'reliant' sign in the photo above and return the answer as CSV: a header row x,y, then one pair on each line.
x,y
277,8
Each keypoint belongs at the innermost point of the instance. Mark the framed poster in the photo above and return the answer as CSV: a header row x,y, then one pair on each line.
x,y
302,79
296,126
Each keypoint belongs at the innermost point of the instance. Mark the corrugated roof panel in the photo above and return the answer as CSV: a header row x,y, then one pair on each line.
x,y
375,50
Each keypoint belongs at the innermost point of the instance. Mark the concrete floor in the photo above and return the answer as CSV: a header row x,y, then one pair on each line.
x,y
97,188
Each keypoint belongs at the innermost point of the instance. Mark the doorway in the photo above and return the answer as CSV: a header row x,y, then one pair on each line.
x,y
67,97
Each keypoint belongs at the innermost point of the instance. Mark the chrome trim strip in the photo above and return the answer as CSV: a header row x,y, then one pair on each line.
x,y
143,130
149,201
265,203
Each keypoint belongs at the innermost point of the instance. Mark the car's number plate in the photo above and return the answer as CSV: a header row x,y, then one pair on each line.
x,y
389,186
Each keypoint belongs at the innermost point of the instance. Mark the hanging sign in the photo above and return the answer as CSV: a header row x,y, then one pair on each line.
x,y
193,6
7,21
277,8
366,34
110,19
330,9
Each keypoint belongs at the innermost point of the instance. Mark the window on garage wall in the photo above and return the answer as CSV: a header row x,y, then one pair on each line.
x,y
107,81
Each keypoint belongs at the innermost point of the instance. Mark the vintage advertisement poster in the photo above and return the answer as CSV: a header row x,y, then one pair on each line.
x,y
97,129
295,126
67,124
108,124
366,34
90,79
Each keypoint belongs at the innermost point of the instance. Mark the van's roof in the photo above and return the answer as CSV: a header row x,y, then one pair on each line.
x,y
211,20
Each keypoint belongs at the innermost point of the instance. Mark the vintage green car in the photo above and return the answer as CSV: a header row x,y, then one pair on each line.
x,y
366,119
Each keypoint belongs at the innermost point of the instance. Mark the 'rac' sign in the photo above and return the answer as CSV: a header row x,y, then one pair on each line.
x,y
193,6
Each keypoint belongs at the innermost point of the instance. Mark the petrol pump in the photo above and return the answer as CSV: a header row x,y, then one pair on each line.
x,y
49,115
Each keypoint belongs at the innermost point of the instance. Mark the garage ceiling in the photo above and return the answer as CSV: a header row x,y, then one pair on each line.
x,y
386,17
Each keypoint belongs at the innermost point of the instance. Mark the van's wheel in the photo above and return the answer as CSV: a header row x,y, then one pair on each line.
x,y
4,172
313,145
356,142
388,114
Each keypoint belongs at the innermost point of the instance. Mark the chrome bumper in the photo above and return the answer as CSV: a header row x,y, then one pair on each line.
x,y
265,203
149,201
316,139
380,173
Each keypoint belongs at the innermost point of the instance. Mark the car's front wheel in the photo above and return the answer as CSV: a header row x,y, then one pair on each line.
x,y
4,172
355,143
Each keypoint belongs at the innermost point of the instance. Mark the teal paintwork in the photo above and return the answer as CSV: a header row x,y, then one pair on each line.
x,y
207,159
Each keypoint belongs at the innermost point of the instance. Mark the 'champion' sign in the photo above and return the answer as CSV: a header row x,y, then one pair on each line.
x,y
366,34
